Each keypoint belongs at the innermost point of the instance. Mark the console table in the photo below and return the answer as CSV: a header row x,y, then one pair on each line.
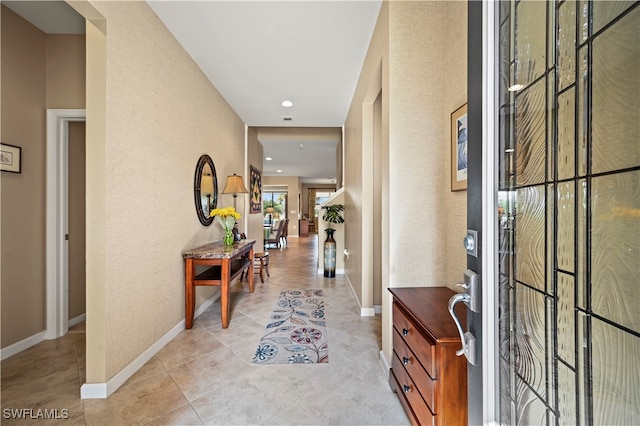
x,y
225,264
430,380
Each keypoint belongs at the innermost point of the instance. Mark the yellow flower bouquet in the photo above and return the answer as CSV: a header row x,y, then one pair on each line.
x,y
227,217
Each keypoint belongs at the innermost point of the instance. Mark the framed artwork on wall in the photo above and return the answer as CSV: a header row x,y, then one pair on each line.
x,y
255,205
459,149
10,158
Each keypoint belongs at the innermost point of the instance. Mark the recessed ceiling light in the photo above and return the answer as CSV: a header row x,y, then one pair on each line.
x,y
287,104
268,158
279,171
301,146
515,87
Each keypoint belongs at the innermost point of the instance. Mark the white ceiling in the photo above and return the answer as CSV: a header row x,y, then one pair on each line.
x,y
52,17
259,53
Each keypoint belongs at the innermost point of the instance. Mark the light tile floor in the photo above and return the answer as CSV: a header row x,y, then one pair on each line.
x,y
206,376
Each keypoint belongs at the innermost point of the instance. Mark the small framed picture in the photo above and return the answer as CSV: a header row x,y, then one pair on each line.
x,y
10,158
459,149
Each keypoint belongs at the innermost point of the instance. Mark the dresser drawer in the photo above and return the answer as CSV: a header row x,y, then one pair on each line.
x,y
397,389
408,361
406,389
421,347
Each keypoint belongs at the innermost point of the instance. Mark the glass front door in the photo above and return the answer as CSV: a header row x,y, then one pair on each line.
x,y
569,212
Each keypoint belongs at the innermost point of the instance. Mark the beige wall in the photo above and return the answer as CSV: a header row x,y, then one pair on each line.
x,y
417,56
358,196
254,157
144,137
23,198
65,71
39,71
455,87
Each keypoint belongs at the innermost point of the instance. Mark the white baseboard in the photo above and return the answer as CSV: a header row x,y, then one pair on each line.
x,y
353,293
22,345
378,309
364,312
94,391
383,362
104,390
77,320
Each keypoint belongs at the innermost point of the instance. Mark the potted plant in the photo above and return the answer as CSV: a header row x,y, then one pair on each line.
x,y
332,215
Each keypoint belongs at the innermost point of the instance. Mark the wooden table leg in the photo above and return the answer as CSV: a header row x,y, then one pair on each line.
x,y
224,292
262,270
189,293
251,286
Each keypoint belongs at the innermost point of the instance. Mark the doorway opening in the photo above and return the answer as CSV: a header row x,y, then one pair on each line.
x,y
57,222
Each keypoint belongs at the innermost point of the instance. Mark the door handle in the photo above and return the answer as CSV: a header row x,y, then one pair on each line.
x,y
460,297
468,348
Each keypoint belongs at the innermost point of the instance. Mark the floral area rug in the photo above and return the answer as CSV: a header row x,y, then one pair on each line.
x,y
296,333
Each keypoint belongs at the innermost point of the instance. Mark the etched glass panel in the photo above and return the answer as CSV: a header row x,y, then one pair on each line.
x,y
566,134
616,96
530,338
505,233
615,247
583,31
530,134
551,243
505,80
551,35
505,392
616,375
581,193
529,235
566,395
605,11
566,44
566,320
550,330
530,40
565,233
530,409
582,369
583,109
551,119
504,319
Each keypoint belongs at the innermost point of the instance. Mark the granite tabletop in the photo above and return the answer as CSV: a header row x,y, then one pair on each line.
x,y
217,250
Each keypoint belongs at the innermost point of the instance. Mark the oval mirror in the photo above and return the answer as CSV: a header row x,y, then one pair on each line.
x,y
205,188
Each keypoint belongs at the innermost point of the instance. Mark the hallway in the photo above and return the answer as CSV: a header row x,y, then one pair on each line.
x,y
206,376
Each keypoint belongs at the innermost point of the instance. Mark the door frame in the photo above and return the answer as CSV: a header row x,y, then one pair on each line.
x,y
490,293
57,219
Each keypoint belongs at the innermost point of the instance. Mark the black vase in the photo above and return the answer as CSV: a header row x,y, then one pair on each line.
x,y
329,254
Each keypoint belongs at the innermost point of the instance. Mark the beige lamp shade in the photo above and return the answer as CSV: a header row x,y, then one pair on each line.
x,y
206,186
235,185
269,210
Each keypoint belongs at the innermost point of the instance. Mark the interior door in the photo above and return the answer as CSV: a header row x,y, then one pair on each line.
x,y
475,194
559,254
568,204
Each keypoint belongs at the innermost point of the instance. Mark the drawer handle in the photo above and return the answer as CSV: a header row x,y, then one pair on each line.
x,y
406,388
405,332
405,360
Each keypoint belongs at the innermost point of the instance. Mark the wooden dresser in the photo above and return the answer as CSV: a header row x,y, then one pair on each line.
x,y
303,227
430,380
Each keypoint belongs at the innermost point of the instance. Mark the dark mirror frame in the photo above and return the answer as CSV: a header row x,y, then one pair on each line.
x,y
205,219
